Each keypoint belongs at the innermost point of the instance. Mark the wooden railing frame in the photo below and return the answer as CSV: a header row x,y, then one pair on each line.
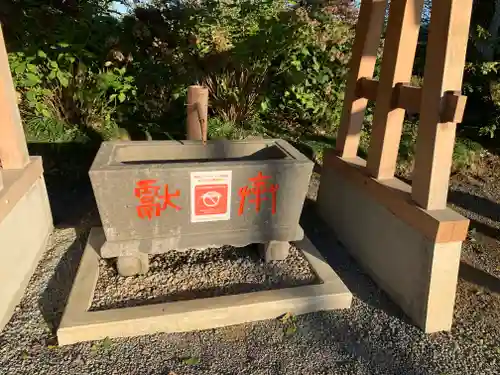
x,y
409,98
13,147
439,101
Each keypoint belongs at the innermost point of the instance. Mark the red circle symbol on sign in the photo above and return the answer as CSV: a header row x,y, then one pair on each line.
x,y
210,199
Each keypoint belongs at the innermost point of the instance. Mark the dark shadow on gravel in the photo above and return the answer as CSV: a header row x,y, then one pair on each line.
x,y
479,277
54,298
66,167
357,340
186,295
485,229
479,205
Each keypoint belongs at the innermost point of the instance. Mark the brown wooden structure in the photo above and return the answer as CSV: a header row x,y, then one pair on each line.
x,y
390,203
439,101
197,113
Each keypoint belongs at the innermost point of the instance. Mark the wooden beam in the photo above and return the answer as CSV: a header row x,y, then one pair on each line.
x,y
409,98
453,107
446,50
397,65
362,64
367,88
13,148
404,95
197,113
441,226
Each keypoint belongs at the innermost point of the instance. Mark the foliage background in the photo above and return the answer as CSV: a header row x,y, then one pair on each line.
x,y
85,73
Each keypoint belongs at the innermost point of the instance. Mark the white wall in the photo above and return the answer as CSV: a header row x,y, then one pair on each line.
x,y
23,236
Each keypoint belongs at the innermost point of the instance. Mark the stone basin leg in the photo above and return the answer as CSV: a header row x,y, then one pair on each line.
x,y
274,250
131,265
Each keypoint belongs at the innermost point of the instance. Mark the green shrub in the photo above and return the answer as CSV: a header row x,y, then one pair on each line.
x,y
63,99
260,59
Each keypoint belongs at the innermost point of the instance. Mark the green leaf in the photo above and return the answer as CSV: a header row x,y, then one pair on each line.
x,y
52,74
112,97
63,80
31,68
323,78
52,347
31,80
288,318
39,107
121,97
296,64
42,54
108,63
31,96
106,343
290,330
45,112
191,361
20,68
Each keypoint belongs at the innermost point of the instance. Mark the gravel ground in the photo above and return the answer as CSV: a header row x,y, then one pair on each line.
x,y
199,274
373,337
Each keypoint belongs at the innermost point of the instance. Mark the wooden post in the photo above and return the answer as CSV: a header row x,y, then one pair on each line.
x,y
397,65
362,65
197,113
13,148
446,51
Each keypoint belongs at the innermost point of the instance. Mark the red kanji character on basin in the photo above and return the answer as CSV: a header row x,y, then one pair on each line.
x,y
258,189
151,202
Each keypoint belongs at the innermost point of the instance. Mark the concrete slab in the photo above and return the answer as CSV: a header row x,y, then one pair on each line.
x,y
16,182
79,324
25,225
406,260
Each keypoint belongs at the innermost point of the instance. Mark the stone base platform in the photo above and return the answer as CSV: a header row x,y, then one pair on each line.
x,y
411,253
25,227
79,324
